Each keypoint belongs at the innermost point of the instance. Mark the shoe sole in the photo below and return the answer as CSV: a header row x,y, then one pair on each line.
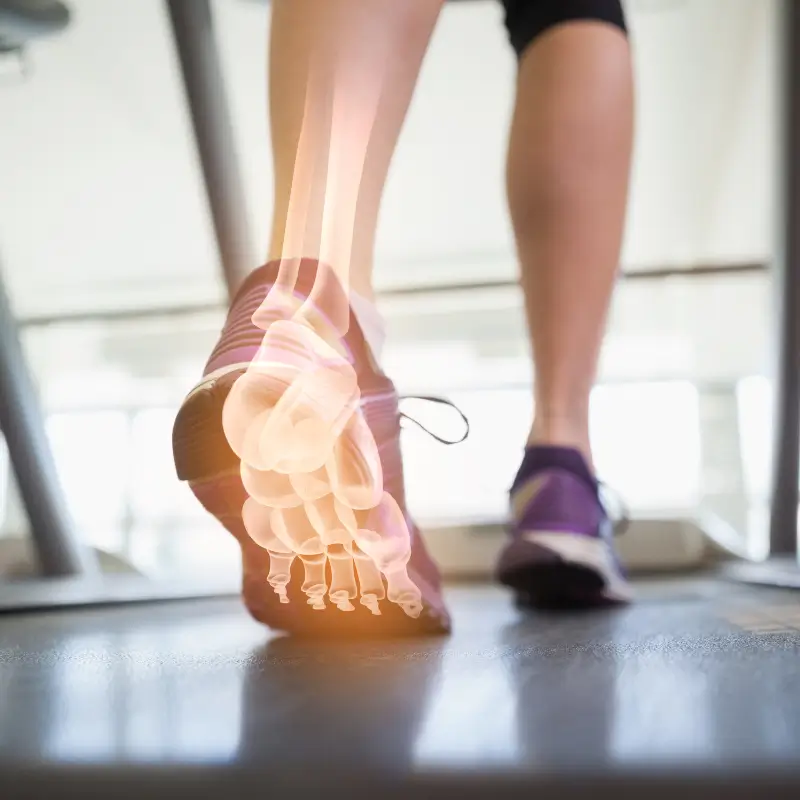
x,y
203,459
558,570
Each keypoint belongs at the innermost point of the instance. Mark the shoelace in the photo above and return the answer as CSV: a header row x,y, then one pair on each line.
x,y
611,499
442,401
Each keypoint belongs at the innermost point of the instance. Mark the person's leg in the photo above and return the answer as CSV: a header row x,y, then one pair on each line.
x,y
358,63
342,73
568,163
568,171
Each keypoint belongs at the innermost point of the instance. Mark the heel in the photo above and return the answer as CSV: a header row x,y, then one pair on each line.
x,y
199,447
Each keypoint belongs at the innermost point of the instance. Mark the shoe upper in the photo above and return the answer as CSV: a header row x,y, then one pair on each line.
x,y
557,500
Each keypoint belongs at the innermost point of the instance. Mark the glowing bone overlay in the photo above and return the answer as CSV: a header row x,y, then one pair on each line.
x,y
309,461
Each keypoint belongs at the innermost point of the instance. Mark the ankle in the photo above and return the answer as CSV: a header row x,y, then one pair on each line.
x,y
562,433
371,321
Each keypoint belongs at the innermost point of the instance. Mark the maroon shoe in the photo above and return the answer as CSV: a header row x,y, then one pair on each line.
x,y
206,462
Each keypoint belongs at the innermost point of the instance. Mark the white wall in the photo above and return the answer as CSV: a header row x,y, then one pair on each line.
x,y
100,197
707,116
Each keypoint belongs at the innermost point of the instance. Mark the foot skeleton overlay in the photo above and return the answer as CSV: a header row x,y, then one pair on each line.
x,y
312,471
309,462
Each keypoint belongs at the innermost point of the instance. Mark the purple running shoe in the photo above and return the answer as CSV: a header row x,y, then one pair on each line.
x,y
561,551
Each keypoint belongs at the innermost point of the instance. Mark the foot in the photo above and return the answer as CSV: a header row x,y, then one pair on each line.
x,y
275,584
561,551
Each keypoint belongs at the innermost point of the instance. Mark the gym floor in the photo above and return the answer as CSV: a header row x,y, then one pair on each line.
x,y
697,687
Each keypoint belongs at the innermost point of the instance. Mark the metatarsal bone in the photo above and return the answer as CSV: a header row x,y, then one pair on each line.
x,y
369,579
355,467
346,515
256,521
386,539
314,583
383,534
280,573
404,592
292,527
323,517
343,580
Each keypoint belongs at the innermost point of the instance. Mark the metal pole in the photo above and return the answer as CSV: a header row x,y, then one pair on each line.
x,y
57,547
786,465
193,31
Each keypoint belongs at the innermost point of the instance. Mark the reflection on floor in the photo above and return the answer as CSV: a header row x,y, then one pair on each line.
x,y
699,674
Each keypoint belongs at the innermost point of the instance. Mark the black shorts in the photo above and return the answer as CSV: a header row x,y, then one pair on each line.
x,y
526,19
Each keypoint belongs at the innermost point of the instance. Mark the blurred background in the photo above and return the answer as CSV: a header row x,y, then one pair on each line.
x,y
109,257
112,268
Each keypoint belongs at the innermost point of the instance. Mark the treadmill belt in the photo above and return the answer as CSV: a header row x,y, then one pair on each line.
x,y
694,689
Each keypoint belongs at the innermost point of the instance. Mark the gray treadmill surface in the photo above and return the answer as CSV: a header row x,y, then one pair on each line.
x,y
694,690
